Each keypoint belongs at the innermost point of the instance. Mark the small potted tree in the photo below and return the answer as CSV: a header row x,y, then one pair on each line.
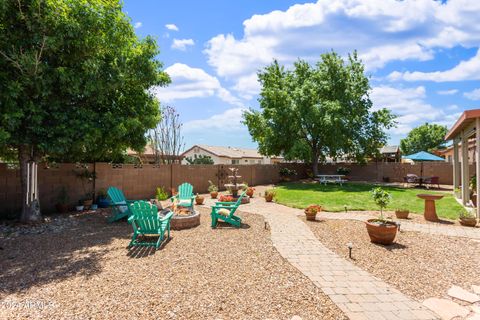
x,y
311,211
380,230
466,218
62,200
269,194
250,191
199,199
213,189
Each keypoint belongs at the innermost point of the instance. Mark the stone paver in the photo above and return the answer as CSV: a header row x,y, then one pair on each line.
x,y
462,294
446,309
356,292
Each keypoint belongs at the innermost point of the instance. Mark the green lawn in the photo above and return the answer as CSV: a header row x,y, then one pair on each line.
x,y
358,197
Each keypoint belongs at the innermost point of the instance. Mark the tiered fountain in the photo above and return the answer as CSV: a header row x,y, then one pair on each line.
x,y
234,186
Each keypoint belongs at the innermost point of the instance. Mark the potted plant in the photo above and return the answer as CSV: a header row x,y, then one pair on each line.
x,y
160,195
402,213
250,191
380,230
199,199
102,199
473,190
80,206
88,200
269,194
311,211
286,174
467,219
62,201
213,189
226,198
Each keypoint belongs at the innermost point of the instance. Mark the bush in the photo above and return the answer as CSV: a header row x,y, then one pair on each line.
x,y
313,209
161,195
285,172
212,187
343,170
224,198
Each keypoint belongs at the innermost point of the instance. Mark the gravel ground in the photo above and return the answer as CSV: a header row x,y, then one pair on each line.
x,y
86,272
419,265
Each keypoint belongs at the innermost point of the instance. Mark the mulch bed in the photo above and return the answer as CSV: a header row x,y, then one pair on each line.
x,y
419,265
85,271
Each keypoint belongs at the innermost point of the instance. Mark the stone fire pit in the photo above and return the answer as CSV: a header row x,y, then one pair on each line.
x,y
184,218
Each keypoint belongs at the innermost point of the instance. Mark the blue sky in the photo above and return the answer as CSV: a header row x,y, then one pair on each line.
x,y
422,55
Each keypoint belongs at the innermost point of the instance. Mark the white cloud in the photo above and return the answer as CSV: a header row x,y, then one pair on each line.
x,y
247,86
465,70
188,82
181,44
217,123
137,25
447,92
473,95
408,104
381,31
171,27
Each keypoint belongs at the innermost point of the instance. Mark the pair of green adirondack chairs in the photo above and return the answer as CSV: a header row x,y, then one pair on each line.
x,y
225,211
143,216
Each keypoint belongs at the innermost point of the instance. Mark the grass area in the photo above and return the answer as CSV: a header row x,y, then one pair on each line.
x,y
355,196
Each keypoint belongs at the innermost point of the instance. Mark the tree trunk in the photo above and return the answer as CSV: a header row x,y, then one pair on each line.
x,y
30,203
315,163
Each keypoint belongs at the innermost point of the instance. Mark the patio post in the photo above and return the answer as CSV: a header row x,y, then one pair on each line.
x,y
477,159
456,165
465,178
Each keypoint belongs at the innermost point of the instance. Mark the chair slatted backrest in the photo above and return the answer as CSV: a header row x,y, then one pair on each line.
x,y
116,195
145,216
185,191
238,203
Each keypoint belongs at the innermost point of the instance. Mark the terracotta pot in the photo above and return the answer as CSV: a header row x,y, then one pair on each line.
x,y
199,200
61,208
468,222
250,192
402,214
381,233
311,216
87,203
214,194
269,197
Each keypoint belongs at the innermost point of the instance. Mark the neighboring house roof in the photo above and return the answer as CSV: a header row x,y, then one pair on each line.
x,y
149,150
389,149
471,145
229,152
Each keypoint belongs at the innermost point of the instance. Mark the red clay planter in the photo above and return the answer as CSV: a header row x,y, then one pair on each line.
x,y
382,233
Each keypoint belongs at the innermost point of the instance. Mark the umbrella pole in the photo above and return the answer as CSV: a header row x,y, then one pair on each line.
x,y
421,173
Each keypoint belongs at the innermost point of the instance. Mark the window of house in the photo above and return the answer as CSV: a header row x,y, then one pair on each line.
x,y
235,161
259,161
246,161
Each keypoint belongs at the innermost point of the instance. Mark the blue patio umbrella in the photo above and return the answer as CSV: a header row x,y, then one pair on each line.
x,y
423,156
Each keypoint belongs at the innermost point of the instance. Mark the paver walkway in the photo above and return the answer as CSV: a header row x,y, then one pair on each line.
x,y
356,292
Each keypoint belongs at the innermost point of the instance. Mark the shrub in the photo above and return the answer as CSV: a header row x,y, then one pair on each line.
x,y
161,194
285,172
465,214
212,187
343,170
270,192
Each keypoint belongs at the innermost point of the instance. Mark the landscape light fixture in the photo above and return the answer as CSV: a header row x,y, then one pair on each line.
x,y
350,247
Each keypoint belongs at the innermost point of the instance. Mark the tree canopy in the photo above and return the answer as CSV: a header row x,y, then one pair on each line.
x,y
427,137
201,159
74,80
317,111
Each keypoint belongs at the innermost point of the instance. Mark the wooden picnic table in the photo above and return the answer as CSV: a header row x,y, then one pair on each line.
x,y
335,178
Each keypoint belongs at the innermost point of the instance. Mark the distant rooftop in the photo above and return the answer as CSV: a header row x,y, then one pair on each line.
x,y
389,149
229,152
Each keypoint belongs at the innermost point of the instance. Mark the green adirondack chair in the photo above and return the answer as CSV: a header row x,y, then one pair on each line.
x,y
230,217
119,204
184,196
145,221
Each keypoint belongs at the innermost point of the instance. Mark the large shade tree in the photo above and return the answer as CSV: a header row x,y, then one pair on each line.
x,y
316,111
74,81
426,137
